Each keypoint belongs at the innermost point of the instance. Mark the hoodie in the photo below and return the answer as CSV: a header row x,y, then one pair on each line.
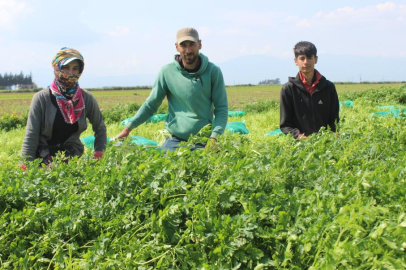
x,y
193,99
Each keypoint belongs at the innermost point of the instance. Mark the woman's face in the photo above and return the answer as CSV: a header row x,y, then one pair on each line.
x,y
73,68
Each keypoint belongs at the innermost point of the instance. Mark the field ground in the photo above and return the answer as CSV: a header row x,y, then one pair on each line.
x,y
18,103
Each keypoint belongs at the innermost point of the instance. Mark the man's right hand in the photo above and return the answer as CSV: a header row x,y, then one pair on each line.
x,y
124,133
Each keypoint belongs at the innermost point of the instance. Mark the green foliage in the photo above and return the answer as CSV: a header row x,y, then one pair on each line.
x,y
120,112
11,121
261,106
113,115
380,95
34,90
249,202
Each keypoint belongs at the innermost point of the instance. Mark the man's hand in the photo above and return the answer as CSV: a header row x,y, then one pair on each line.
x,y
124,133
212,143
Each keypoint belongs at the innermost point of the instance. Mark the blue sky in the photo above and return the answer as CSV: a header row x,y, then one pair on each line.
x,y
123,38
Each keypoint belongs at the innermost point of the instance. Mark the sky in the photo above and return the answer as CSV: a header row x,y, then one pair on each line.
x,y
136,38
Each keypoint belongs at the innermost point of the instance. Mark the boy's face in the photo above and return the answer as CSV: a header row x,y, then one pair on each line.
x,y
306,64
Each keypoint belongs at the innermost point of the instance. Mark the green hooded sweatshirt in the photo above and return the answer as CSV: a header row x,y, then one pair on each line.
x,y
193,98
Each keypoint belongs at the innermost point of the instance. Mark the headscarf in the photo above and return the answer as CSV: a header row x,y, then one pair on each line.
x,y
65,87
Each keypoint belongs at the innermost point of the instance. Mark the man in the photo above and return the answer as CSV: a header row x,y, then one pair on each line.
x,y
309,101
195,91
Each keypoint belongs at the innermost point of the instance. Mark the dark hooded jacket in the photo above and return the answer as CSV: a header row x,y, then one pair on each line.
x,y
301,112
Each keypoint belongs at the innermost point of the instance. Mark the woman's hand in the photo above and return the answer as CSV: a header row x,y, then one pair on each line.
x,y
97,155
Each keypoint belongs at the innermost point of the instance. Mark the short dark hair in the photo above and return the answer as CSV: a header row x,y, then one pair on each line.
x,y
305,47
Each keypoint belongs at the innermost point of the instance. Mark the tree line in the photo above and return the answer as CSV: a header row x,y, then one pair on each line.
x,y
275,81
9,79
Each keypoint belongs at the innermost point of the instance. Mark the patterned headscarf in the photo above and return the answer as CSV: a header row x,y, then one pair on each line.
x,y
65,87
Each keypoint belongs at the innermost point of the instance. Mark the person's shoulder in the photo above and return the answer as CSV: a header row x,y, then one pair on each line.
x,y
42,94
87,95
212,66
329,84
86,92
289,84
170,65
44,91
168,68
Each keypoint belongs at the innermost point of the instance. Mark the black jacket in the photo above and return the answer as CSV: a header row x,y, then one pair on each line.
x,y
301,112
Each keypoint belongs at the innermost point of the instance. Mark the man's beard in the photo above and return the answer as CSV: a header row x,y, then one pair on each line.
x,y
191,59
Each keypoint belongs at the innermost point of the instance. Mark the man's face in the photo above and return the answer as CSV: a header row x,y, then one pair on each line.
x,y
306,63
189,52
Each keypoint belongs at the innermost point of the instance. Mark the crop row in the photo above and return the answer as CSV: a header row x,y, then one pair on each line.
x,y
328,202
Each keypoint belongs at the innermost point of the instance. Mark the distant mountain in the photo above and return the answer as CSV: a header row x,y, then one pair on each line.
x,y
255,68
43,77
91,81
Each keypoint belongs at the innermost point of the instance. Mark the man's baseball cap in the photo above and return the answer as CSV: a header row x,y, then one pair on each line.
x,y
187,33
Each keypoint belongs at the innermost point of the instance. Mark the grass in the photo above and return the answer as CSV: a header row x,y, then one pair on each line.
x,y
238,96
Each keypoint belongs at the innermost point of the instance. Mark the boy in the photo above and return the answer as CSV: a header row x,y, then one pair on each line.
x,y
309,101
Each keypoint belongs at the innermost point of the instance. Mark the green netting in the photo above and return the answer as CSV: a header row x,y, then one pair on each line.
x,y
157,118
154,119
235,113
88,141
237,127
347,103
386,107
139,140
274,132
391,113
125,122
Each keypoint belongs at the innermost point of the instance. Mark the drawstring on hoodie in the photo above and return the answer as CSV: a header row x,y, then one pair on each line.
x,y
198,77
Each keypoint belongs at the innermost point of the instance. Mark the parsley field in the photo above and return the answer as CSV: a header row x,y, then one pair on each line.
x,y
250,202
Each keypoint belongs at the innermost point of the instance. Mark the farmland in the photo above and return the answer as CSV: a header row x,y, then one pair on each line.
x,y
332,201
18,103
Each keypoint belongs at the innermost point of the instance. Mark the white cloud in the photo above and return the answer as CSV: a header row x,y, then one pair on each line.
x,y
386,6
12,11
388,13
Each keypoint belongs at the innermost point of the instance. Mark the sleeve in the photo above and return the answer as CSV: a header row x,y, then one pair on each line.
x,y
151,104
95,117
219,99
32,129
287,113
334,109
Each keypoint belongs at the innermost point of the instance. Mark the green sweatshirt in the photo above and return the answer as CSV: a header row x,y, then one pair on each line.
x,y
193,98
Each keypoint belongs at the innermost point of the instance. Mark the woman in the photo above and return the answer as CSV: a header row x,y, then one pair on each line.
x,y
58,114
